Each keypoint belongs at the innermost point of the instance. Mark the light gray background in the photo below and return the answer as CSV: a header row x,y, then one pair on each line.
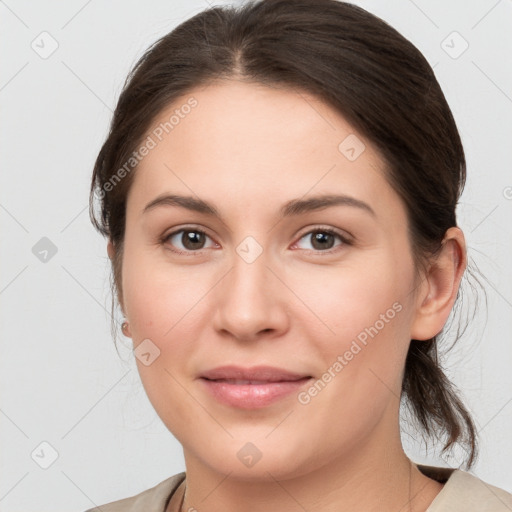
x,y
62,380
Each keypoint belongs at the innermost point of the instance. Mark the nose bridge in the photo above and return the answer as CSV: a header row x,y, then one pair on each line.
x,y
248,300
250,265
249,277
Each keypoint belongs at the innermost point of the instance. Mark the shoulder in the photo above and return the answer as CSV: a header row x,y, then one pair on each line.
x,y
151,500
465,492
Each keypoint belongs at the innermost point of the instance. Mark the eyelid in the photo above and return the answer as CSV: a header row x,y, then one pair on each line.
x,y
345,237
166,236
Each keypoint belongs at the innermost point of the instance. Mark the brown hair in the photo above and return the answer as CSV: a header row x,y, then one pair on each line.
x,y
361,67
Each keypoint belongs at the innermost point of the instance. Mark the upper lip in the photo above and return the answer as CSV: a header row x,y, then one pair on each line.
x,y
258,373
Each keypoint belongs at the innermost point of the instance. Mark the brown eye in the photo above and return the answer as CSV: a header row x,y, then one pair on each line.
x,y
321,240
187,240
324,239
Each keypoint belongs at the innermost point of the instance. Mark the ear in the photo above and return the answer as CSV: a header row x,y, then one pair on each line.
x,y
440,286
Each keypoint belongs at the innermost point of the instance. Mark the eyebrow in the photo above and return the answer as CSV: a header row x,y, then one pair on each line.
x,y
290,208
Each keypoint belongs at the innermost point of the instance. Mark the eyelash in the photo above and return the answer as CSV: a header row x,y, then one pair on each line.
x,y
318,229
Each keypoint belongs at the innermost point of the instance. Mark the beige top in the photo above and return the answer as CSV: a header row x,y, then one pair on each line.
x,y
462,492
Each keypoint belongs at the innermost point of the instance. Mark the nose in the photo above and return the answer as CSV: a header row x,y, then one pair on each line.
x,y
251,301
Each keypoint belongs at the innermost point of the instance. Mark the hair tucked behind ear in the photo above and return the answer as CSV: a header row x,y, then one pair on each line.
x,y
360,66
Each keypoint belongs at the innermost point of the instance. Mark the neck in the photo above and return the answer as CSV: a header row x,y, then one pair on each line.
x,y
369,478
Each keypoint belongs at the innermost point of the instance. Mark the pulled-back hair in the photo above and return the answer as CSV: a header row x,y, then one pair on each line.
x,y
361,67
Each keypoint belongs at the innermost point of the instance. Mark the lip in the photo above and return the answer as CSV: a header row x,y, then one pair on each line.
x,y
251,388
256,373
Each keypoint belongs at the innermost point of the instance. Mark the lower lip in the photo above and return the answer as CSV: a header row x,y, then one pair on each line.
x,y
252,396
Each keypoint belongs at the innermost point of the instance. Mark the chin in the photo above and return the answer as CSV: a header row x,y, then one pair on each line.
x,y
264,462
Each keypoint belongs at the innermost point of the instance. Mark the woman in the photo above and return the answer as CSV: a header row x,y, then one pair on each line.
x,y
243,142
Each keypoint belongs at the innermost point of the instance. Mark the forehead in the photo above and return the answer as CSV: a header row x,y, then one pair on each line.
x,y
256,142
252,122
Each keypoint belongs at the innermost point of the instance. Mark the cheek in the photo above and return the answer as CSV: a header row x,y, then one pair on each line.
x,y
354,302
163,304
365,317
168,305
158,296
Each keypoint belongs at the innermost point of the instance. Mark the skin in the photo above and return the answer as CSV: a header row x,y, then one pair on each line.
x,y
248,149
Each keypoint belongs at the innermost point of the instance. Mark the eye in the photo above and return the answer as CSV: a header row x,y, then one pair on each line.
x,y
191,240
322,239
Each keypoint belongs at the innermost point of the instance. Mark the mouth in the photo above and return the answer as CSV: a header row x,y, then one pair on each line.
x,y
243,382
252,388
255,374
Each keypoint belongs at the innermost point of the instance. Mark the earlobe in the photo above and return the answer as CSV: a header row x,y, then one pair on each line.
x,y
440,287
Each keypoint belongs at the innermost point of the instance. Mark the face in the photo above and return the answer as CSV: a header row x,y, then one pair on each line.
x,y
323,293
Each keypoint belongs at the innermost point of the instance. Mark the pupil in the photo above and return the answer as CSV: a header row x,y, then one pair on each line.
x,y
321,237
192,238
